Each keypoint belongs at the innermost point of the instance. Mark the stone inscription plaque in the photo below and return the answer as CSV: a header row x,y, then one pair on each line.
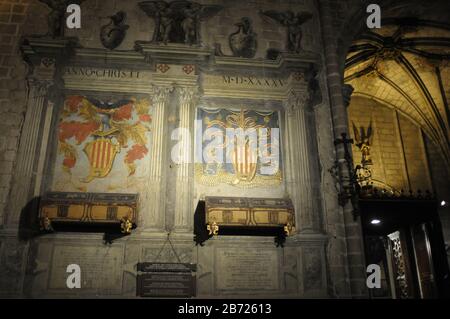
x,y
166,285
101,267
246,269
166,267
166,280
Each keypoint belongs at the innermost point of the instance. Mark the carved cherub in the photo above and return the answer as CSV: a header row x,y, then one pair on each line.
x,y
189,24
193,13
55,18
293,23
363,141
165,21
178,21
161,12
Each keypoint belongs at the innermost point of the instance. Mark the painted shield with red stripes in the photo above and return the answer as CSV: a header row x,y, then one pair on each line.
x,y
101,154
245,158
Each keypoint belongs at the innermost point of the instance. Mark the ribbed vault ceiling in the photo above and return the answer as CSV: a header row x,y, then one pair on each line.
x,y
405,65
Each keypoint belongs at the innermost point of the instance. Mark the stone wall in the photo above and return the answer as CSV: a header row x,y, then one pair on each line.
x,y
398,154
12,90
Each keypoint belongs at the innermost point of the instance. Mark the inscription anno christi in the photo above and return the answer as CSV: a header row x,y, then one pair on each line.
x,y
101,73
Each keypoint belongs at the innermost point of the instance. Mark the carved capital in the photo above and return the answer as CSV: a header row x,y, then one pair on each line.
x,y
161,93
40,87
48,88
188,94
296,100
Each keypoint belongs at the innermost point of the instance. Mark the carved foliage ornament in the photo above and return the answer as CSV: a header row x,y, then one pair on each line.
x,y
188,94
161,93
296,100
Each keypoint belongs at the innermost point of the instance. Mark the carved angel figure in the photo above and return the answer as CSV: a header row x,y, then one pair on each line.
x,y
293,23
55,18
363,141
178,21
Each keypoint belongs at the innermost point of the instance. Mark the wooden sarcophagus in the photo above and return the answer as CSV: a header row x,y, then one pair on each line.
x,y
93,211
250,216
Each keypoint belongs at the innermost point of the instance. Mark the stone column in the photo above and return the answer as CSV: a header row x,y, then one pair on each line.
x,y
184,210
28,154
154,221
351,232
299,181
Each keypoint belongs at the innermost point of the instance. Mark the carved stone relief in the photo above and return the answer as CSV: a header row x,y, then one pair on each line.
x,y
55,18
178,21
113,33
293,24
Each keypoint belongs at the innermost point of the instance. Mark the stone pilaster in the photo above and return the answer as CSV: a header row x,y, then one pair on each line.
x,y
184,210
299,166
156,190
23,187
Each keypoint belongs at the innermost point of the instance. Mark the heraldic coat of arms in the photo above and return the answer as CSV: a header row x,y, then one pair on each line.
x,y
102,130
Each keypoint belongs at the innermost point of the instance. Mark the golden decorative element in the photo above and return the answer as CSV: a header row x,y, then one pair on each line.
x,y
46,224
244,212
213,229
126,225
88,208
288,229
399,264
363,141
224,177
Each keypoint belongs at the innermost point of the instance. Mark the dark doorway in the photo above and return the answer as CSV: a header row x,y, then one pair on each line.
x,y
403,235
